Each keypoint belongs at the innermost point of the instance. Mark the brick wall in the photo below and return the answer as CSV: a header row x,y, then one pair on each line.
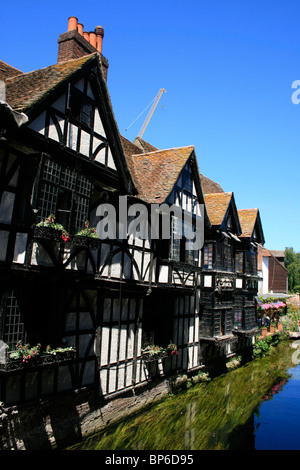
x,y
71,45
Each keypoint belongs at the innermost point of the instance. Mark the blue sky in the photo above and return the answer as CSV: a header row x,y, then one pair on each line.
x,y
228,68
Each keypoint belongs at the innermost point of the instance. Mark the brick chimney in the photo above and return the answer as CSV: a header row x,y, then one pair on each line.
x,y
77,43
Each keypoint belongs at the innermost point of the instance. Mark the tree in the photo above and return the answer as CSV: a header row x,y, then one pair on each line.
x,y
292,262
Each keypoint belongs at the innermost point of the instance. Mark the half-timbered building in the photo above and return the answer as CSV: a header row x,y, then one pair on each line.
x,y
171,310
107,298
218,275
229,276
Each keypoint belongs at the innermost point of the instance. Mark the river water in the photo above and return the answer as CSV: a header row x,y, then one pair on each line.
x,y
254,407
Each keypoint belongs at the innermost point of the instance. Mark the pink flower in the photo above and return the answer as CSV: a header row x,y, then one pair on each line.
x,y
65,237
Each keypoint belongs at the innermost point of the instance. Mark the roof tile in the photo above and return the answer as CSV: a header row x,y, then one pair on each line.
x,y
217,205
155,173
247,220
22,91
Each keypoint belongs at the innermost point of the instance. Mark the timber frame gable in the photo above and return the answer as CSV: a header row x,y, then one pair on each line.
x,y
73,112
251,225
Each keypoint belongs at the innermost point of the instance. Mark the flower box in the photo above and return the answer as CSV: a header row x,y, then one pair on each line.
x,y
84,241
14,365
61,354
47,233
153,357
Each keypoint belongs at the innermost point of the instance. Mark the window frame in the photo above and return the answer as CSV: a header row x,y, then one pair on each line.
x,y
56,179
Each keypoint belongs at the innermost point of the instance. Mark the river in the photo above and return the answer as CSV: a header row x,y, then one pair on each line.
x,y
254,407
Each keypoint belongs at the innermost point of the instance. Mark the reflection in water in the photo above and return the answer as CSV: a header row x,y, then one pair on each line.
x,y
215,416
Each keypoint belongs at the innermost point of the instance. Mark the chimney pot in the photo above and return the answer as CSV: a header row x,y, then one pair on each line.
x,y
72,23
86,36
80,28
93,40
99,37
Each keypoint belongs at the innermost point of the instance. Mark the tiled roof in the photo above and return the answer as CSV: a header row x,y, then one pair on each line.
x,y
23,91
209,186
262,251
155,173
247,220
129,149
7,71
217,205
277,253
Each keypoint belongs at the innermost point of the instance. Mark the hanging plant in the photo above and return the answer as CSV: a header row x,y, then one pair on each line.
x,y
172,349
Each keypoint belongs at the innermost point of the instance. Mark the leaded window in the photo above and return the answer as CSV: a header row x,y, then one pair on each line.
x,y
239,258
208,256
13,323
182,242
227,258
223,257
64,193
251,262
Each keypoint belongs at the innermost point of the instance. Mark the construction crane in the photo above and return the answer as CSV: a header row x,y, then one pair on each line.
x,y
143,128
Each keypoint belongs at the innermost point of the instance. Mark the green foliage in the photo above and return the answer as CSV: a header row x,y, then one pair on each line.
x,y
271,299
262,347
50,223
290,322
291,257
87,231
153,350
25,352
49,350
292,262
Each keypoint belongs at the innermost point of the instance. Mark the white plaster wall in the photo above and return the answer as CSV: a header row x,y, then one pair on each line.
x,y
85,143
72,136
38,125
98,126
20,248
265,274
